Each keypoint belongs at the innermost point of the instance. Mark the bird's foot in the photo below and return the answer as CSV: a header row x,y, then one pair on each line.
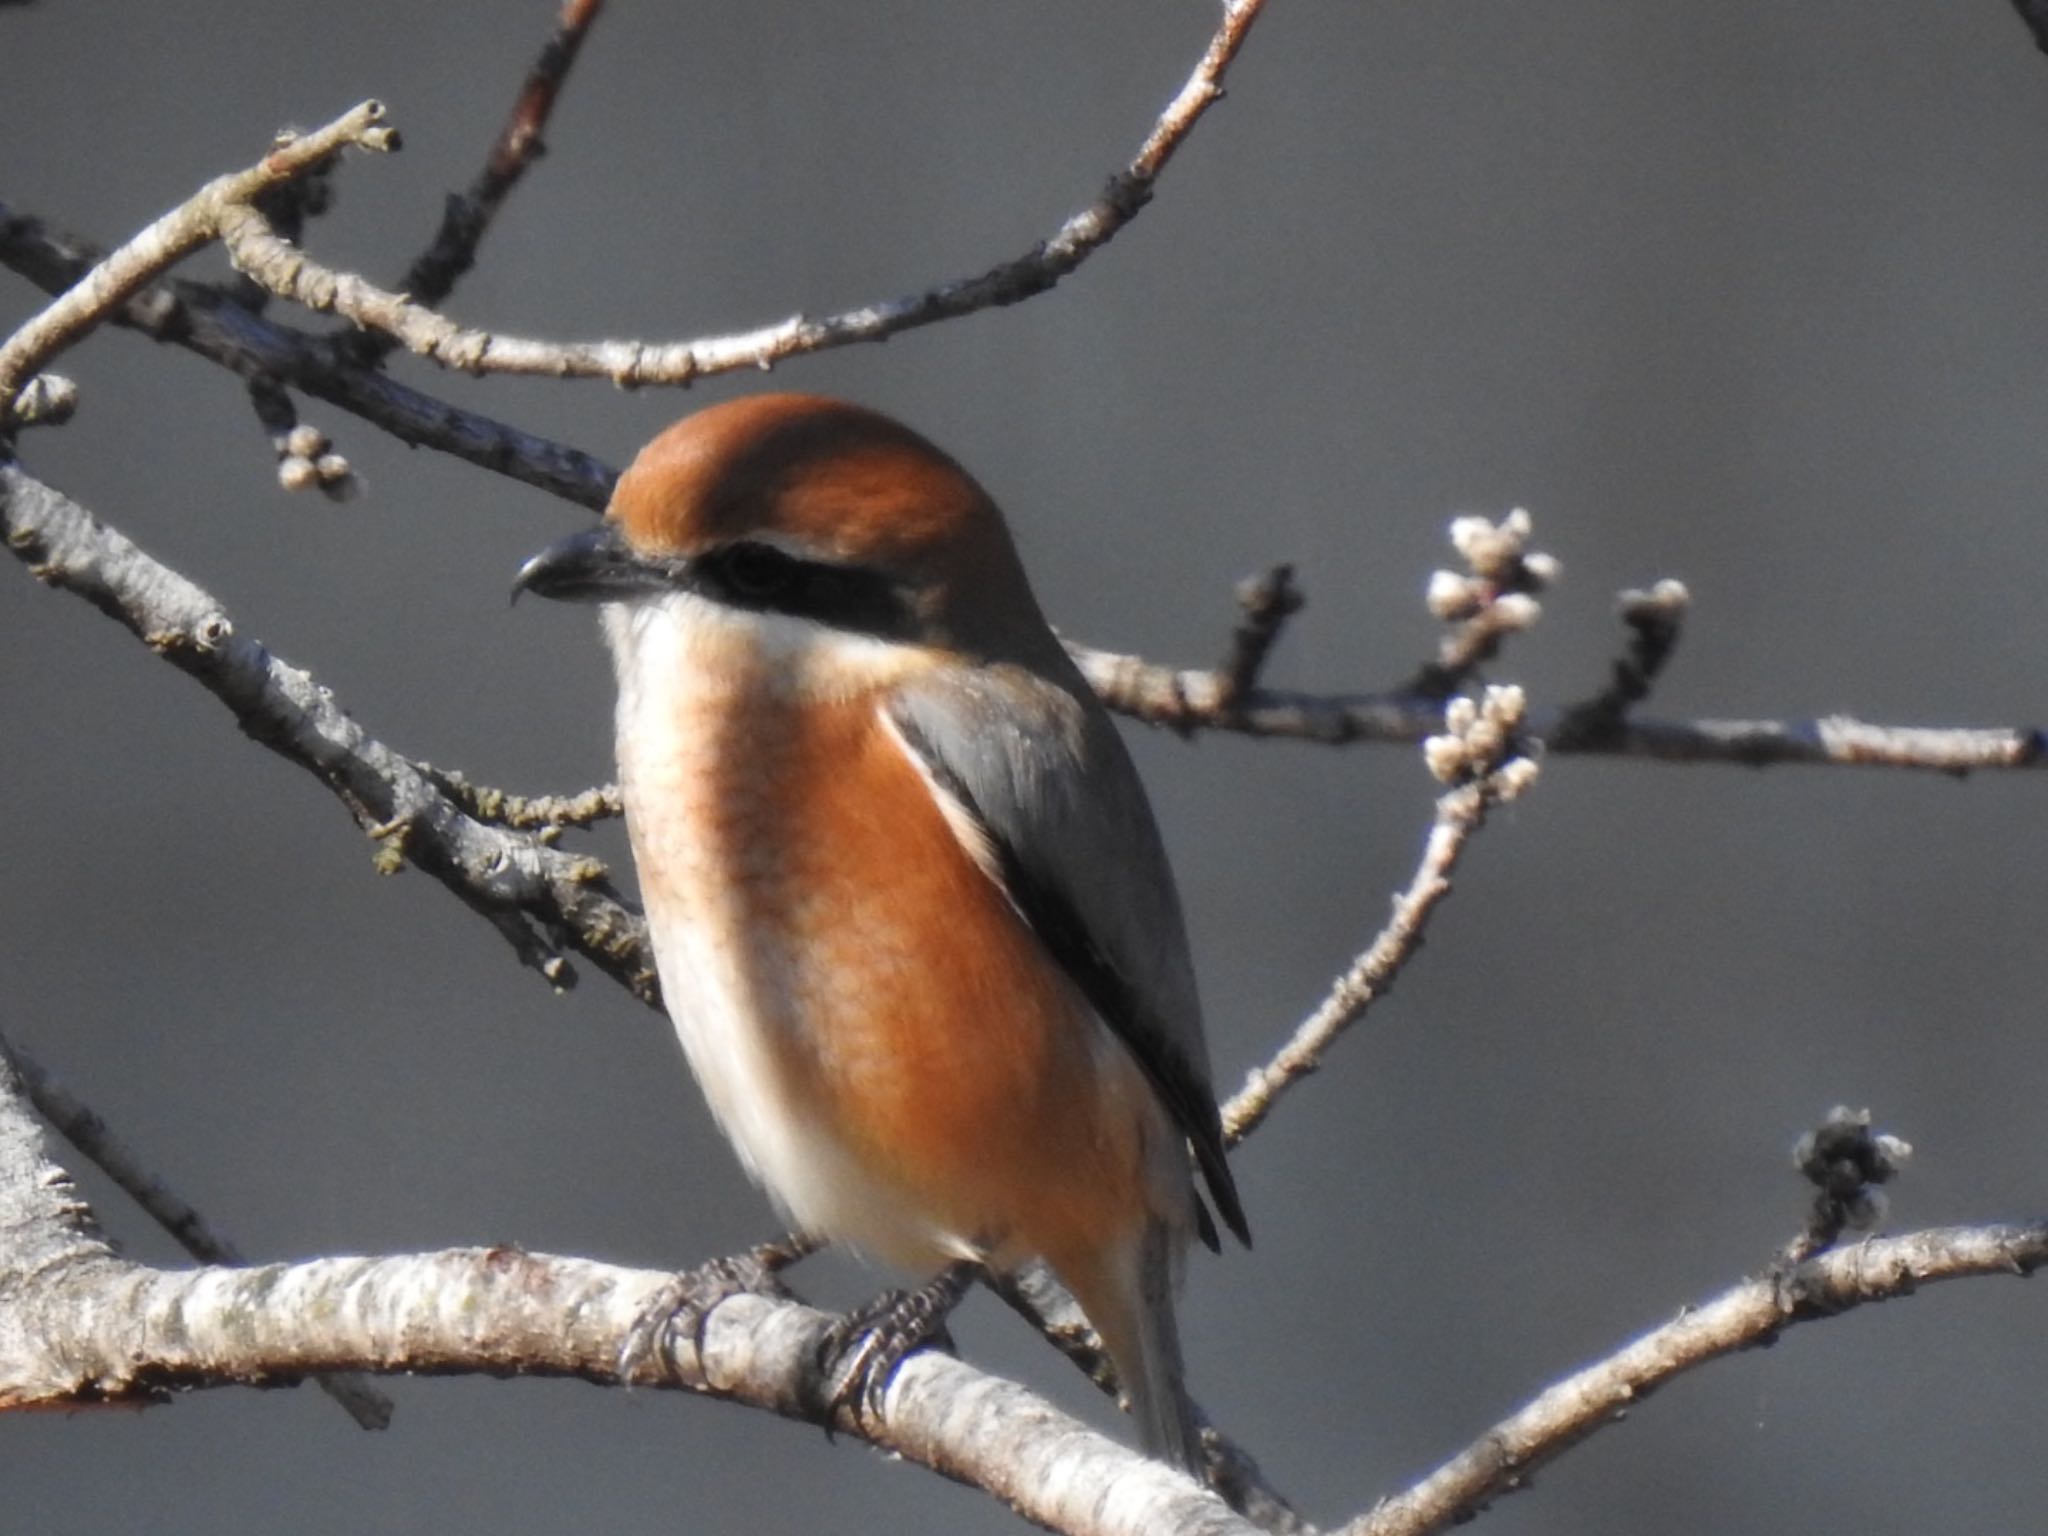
x,y
681,1308
864,1347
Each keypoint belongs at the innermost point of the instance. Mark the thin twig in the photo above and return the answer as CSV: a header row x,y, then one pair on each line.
x,y
1498,773
78,1123
434,274
259,252
192,224
1189,699
1265,603
1654,619
1751,1313
207,322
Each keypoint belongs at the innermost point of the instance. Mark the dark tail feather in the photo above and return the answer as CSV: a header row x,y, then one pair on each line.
x,y
1134,1314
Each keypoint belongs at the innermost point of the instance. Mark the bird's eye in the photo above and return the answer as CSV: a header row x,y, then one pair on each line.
x,y
757,571
752,575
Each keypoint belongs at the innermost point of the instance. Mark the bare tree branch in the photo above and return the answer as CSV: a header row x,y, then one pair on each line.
x,y
45,1227
212,324
1187,700
1489,769
78,1325
1746,1315
203,320
539,897
285,270
1265,603
102,1329
1654,619
192,224
467,217
80,1125
501,1310
529,812
306,458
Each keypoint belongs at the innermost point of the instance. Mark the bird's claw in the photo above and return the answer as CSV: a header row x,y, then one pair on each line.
x,y
860,1353
681,1308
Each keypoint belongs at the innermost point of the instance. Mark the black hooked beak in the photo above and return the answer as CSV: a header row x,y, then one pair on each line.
x,y
594,566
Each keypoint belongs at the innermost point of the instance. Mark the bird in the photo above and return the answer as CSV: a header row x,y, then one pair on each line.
x,y
911,913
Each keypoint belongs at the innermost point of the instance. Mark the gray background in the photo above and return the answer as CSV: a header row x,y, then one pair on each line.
x,y
1749,294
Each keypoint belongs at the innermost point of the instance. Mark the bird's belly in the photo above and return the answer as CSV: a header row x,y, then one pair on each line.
x,y
889,1048
747,1042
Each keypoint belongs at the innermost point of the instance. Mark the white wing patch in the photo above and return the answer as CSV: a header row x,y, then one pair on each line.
x,y
965,826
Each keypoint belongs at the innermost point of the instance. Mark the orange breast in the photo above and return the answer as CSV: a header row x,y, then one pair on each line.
x,y
904,1002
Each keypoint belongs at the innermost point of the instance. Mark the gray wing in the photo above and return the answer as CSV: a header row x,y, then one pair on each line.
x,y
1041,773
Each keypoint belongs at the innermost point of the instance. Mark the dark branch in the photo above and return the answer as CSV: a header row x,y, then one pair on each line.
x,y
1654,619
467,217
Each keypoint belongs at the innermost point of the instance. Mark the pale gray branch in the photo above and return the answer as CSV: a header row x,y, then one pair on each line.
x,y
44,1225
82,1126
101,1329
79,1325
192,224
1749,1314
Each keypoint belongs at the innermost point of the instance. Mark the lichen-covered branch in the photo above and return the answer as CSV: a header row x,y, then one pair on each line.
x,y
546,813
541,898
